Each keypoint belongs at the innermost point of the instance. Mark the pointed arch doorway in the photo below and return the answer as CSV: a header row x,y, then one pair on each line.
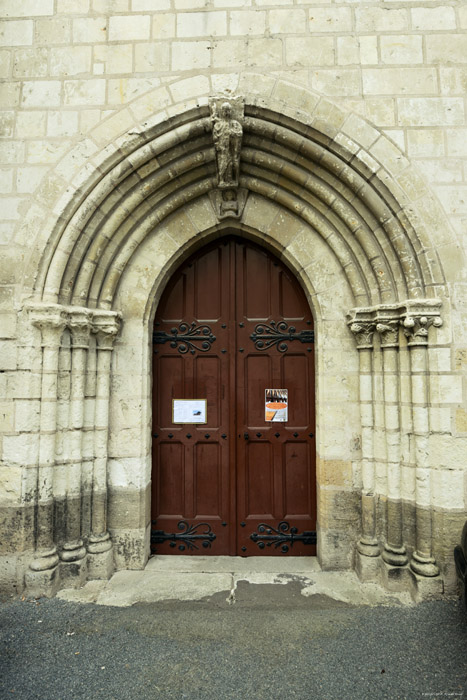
x,y
233,408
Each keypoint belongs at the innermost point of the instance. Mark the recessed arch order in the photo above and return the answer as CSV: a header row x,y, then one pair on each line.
x,y
337,190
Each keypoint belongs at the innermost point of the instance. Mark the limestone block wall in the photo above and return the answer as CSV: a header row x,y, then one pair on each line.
x,y
79,74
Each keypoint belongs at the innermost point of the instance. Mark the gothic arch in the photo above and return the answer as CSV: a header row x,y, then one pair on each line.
x,y
324,190
337,188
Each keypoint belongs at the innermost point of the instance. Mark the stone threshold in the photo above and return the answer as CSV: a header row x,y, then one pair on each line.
x,y
216,580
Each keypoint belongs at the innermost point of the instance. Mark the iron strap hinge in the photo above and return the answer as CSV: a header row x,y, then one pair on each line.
x,y
283,536
188,537
186,338
266,335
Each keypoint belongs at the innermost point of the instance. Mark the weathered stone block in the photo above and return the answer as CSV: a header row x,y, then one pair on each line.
x,y
332,19
79,7
70,60
62,123
30,63
84,92
342,82
119,58
267,52
280,22
433,18
190,55
41,93
152,57
9,94
89,30
16,33
247,22
228,53
380,19
56,30
399,81
128,27
163,26
401,49
7,124
431,111
310,51
443,48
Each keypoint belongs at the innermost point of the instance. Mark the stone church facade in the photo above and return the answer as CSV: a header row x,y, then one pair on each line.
x,y
350,166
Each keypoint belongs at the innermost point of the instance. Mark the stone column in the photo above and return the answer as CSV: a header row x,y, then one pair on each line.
x,y
42,578
416,330
105,326
73,552
394,552
368,545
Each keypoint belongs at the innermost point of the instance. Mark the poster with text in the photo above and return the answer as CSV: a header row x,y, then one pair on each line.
x,y
189,411
276,405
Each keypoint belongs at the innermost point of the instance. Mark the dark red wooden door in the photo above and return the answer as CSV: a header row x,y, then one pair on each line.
x,y
232,323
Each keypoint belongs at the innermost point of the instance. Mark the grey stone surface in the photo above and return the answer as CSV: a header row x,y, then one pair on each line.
x,y
167,578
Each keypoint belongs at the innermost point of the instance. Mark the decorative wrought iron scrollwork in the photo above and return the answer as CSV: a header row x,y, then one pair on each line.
x,y
282,536
186,337
266,335
187,538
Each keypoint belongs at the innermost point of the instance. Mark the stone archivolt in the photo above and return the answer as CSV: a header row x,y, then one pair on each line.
x,y
342,198
337,194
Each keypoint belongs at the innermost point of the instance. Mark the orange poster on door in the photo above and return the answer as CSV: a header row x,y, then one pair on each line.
x,y
276,405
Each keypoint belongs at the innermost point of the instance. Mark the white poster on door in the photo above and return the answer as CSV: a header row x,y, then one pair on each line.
x,y
189,411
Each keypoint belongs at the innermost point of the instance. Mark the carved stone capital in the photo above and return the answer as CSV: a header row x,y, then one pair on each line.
x,y
363,332
389,333
105,326
227,131
415,316
52,321
416,328
80,327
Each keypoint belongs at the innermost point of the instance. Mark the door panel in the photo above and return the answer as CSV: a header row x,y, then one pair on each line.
x,y
230,325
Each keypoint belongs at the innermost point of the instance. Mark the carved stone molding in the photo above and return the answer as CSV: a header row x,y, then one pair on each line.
x,y
227,131
415,316
363,332
228,203
106,325
389,333
52,321
416,328
80,326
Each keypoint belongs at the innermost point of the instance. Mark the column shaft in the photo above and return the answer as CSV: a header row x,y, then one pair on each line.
x,y
394,552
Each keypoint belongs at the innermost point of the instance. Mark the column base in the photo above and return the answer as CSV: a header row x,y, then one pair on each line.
x,y
426,588
367,567
100,557
394,556
396,578
368,547
73,565
43,577
424,566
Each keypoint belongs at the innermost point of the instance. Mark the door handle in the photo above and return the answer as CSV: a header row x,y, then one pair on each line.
x,y
246,436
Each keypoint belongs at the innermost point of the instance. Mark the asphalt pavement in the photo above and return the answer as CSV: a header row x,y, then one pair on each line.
x,y
272,644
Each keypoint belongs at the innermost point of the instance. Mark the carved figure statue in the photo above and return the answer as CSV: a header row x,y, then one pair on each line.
x,y
227,135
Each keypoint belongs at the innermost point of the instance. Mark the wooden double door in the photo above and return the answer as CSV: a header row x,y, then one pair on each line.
x,y
232,325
